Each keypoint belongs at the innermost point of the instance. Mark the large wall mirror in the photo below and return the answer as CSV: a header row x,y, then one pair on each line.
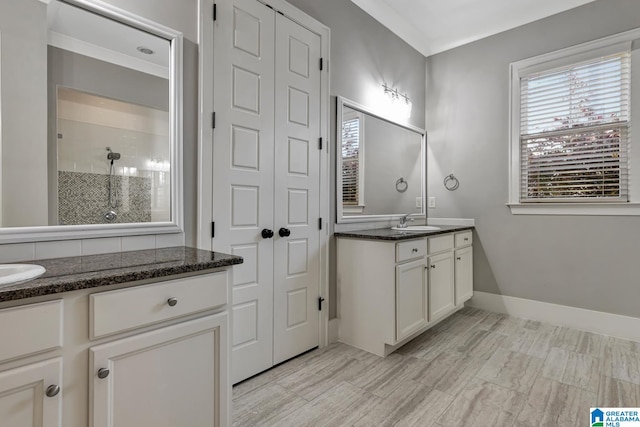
x,y
380,172
91,122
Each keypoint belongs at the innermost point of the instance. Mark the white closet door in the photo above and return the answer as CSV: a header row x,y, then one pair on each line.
x,y
297,186
243,173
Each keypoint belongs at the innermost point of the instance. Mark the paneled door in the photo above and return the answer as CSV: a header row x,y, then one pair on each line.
x,y
297,186
266,180
243,169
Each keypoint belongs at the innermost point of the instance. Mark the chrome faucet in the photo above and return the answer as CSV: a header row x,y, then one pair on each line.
x,y
404,219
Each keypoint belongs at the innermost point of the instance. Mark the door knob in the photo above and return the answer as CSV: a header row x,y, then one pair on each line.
x,y
103,373
267,234
284,232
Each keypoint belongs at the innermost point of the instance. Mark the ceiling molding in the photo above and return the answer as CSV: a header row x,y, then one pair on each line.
x,y
435,26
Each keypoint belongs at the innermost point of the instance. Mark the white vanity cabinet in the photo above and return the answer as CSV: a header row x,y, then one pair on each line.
x,y
30,390
390,291
164,378
30,395
441,276
153,354
463,266
174,375
411,298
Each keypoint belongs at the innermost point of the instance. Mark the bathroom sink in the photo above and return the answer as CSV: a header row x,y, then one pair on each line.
x,y
417,228
14,273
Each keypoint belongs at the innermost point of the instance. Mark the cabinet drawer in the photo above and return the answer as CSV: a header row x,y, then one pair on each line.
x,y
125,309
30,329
440,243
411,249
464,239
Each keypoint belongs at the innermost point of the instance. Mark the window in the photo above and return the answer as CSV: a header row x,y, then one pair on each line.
x,y
570,129
353,161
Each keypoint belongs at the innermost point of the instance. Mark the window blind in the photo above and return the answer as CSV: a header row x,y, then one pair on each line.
x,y
574,132
350,161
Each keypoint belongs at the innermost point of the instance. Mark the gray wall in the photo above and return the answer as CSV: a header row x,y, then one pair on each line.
x,y
364,53
23,112
581,261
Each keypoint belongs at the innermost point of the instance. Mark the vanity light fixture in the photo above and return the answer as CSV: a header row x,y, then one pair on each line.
x,y
394,94
400,101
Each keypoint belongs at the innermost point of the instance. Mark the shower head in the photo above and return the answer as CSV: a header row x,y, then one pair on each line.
x,y
112,156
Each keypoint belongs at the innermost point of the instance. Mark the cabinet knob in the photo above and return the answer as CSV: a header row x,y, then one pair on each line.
x,y
103,373
426,267
466,239
266,233
172,302
52,390
458,258
414,250
433,266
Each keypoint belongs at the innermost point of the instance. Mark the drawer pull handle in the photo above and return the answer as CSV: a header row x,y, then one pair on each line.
x,y
172,302
433,266
458,258
426,267
103,373
52,390
414,250
466,239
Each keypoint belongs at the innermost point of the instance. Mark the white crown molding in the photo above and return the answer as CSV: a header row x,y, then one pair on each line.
x,y
97,52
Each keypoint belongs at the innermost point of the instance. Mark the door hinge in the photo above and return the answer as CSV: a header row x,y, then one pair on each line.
x,y
213,120
320,301
321,64
215,11
319,143
213,229
319,223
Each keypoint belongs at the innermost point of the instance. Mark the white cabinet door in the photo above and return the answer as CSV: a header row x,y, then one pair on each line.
x,y
411,298
464,274
24,400
243,173
296,248
441,285
174,376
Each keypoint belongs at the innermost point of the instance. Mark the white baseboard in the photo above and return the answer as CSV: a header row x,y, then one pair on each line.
x,y
333,330
599,322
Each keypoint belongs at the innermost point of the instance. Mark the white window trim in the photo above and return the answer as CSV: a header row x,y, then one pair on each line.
x,y
556,59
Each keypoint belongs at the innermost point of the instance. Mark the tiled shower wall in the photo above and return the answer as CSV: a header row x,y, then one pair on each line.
x,y
83,198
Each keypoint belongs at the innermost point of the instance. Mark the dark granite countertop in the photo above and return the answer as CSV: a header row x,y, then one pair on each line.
x,y
395,235
83,272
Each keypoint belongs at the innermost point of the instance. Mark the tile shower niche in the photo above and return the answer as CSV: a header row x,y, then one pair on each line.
x,y
111,156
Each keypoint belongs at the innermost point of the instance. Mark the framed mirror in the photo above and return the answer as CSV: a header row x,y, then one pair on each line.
x,y
91,113
380,171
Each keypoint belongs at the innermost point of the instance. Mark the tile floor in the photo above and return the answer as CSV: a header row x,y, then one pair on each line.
x,y
476,368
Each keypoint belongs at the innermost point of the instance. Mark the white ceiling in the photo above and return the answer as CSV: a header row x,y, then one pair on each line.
x,y
433,26
89,34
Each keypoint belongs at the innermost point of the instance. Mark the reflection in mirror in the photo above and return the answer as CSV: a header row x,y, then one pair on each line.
x,y
90,111
380,172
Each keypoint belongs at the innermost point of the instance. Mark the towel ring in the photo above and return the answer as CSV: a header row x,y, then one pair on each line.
x,y
451,183
401,185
